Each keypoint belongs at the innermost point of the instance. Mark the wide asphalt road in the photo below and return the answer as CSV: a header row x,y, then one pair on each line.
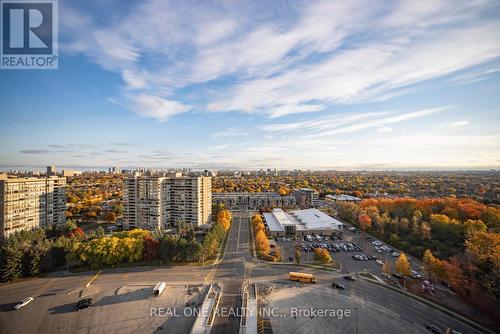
x,y
52,294
230,272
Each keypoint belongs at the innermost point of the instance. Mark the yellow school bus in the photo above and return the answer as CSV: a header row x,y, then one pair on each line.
x,y
302,277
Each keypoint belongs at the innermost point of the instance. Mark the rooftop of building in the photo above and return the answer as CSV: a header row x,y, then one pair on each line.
x,y
308,219
343,197
267,193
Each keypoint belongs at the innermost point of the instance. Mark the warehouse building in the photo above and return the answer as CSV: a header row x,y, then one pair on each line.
x,y
301,223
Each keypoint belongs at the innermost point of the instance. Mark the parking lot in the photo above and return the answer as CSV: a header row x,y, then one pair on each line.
x,y
356,253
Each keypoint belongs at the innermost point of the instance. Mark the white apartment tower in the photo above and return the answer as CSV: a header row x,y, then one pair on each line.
x,y
27,203
155,202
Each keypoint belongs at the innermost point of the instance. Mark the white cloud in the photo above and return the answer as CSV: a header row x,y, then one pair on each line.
x,y
335,125
454,125
133,80
156,107
384,129
295,58
459,124
230,132
293,109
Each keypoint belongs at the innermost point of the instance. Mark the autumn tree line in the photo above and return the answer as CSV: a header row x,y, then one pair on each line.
x,y
457,239
31,252
263,248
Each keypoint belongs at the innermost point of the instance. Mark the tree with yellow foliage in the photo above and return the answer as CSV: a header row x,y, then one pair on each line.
x,y
261,242
434,266
256,220
403,265
277,254
322,255
226,223
283,191
386,268
429,260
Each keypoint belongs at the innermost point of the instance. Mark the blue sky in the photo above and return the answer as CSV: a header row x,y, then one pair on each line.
x,y
258,84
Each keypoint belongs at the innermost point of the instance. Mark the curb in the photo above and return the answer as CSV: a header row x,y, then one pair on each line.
x,y
306,265
443,309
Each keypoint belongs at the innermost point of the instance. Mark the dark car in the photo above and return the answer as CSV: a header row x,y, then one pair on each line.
x,y
433,329
337,285
84,303
350,277
396,275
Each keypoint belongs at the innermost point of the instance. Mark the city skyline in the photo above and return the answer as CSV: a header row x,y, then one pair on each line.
x,y
222,85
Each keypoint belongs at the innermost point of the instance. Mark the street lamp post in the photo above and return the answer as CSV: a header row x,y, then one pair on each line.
x,y
356,311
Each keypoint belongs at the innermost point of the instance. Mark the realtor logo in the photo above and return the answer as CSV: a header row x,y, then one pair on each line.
x,y
29,34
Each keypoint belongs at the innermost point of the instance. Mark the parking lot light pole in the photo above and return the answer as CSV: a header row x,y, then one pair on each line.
x,y
356,311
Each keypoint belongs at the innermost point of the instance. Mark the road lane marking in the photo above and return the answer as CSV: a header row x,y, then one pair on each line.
x,y
43,288
93,278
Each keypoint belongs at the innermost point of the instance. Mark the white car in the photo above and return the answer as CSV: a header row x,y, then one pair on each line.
x,y
415,274
23,303
380,262
395,254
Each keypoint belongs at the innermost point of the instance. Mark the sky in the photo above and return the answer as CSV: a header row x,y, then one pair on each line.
x,y
262,84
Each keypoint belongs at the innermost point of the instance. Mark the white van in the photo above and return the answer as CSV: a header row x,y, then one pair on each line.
x,y
159,288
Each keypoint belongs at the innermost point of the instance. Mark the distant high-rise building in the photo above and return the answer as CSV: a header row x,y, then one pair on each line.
x,y
161,202
51,170
115,170
69,172
31,202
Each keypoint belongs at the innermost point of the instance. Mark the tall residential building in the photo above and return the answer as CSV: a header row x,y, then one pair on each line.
x,y
155,202
114,170
306,197
31,202
51,170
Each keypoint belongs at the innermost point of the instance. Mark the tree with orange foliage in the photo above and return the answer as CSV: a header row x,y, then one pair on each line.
x,y
485,248
226,223
365,222
456,278
283,191
256,219
322,255
261,242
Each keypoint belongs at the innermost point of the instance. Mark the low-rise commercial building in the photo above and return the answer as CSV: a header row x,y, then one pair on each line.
x,y
253,201
301,223
342,199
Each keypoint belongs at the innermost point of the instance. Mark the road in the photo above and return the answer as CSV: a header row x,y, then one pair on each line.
x,y
55,296
231,273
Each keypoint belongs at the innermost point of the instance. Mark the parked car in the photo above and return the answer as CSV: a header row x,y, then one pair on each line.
x,y
23,303
396,275
84,303
433,329
350,277
337,285
416,275
380,262
395,254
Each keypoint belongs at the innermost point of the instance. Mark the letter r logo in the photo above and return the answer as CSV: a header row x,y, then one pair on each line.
x,y
27,27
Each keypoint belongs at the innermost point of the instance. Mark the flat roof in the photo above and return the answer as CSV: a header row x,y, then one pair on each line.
x,y
344,197
303,220
272,223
